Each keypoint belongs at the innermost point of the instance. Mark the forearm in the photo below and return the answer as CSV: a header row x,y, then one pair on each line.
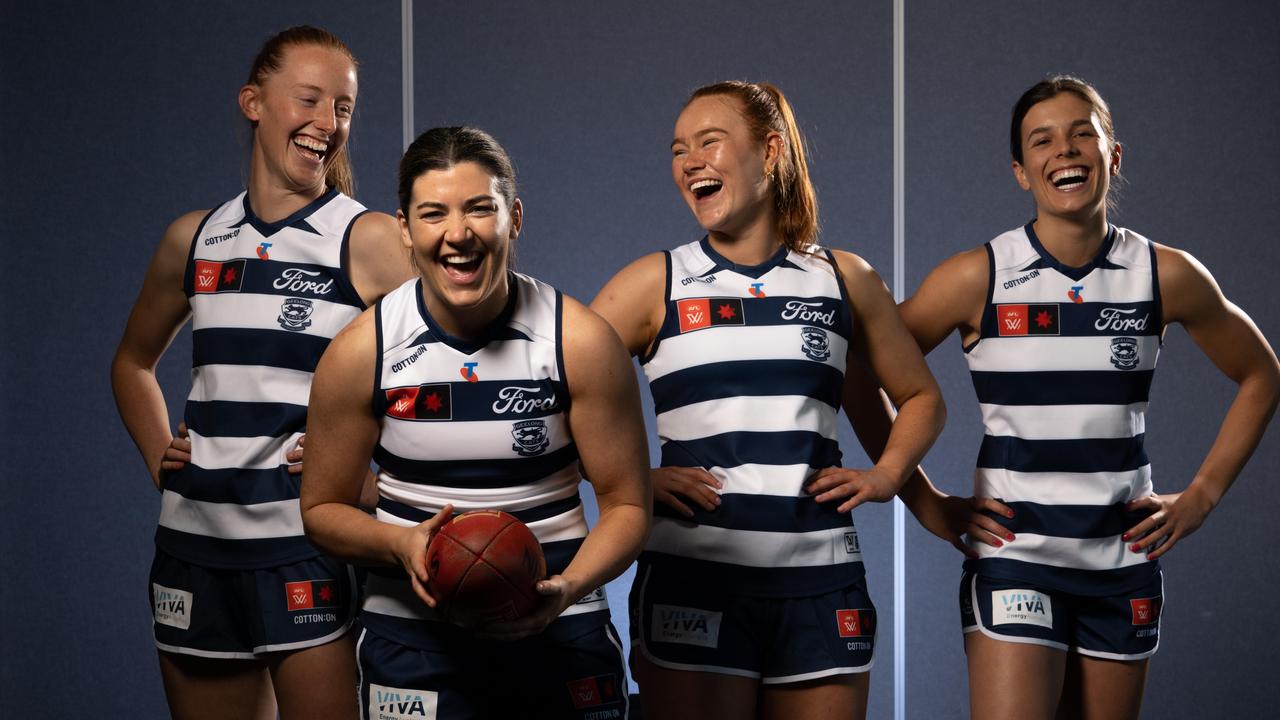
x,y
142,408
1242,429
608,549
348,533
917,426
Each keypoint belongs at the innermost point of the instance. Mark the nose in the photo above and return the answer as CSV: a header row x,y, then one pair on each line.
x,y
326,118
455,229
692,161
1064,147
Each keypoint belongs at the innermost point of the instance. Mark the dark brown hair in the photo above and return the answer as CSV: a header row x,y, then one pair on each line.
x,y
766,110
443,147
269,60
1048,88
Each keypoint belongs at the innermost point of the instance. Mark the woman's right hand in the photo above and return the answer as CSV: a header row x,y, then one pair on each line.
x,y
176,456
410,549
951,518
672,485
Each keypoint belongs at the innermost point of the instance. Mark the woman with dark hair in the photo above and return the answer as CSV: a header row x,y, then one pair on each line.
x,y
427,384
1061,322
247,613
750,600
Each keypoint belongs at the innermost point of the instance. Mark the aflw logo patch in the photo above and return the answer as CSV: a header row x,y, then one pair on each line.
x,y
855,623
214,277
1016,320
424,402
1145,610
700,313
310,594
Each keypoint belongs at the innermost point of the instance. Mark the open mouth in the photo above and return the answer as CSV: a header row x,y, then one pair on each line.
x,y
1069,178
311,148
703,189
462,267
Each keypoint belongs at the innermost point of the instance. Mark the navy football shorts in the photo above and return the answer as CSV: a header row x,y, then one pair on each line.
x,y
1118,627
680,625
221,613
457,676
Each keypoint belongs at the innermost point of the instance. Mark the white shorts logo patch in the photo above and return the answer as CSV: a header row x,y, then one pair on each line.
x,y
1021,607
171,607
686,626
388,703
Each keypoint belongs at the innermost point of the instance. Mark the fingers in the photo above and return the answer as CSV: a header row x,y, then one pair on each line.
x,y
294,456
991,505
420,589
433,524
183,432
694,484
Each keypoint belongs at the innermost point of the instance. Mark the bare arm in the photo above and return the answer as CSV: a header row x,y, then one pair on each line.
x,y
604,419
632,302
892,354
159,312
950,299
379,260
341,433
1233,343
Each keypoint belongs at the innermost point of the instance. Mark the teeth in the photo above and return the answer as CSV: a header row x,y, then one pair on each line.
x,y
704,184
311,144
461,259
1063,176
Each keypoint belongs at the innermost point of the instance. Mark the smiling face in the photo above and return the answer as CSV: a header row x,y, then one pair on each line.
x,y
721,169
302,113
460,230
1067,158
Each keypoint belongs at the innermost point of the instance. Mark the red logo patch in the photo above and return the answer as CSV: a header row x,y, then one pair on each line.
x,y
1012,319
695,314
854,623
298,595
593,691
400,402
212,277
1145,610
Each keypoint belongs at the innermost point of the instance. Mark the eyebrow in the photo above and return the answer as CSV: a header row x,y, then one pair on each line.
x,y
466,203
700,133
318,89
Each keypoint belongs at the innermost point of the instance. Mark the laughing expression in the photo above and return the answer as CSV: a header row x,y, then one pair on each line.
x,y
720,168
303,114
460,230
1067,158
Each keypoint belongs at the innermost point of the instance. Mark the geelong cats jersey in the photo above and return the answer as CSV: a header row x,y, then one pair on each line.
x,y
746,377
479,424
1062,371
266,298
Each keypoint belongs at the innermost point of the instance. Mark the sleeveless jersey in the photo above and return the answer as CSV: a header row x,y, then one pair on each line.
x,y
1062,371
266,298
746,375
479,424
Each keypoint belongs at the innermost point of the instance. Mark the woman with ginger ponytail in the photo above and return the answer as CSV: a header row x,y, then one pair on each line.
x,y
751,600
248,615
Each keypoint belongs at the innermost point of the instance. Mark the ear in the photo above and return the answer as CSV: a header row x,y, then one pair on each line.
x,y
772,151
1020,174
517,218
1116,153
251,102
405,240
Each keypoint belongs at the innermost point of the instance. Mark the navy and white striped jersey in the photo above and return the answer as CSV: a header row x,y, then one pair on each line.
x,y
746,377
1062,371
479,424
266,298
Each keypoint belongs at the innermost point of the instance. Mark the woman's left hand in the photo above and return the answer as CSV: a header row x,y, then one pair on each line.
x,y
1173,517
858,486
554,591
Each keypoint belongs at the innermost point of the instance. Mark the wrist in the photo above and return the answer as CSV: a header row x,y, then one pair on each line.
x,y
1204,491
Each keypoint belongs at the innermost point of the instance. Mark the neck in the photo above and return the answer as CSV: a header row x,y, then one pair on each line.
x,y
1071,241
272,199
468,322
753,244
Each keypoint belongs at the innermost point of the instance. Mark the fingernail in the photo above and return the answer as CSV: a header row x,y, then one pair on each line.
x,y
1134,547
1009,514
1124,537
1008,536
998,543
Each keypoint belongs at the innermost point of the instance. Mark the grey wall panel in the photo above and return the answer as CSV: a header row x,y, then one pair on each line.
x,y
1193,93
584,96
123,116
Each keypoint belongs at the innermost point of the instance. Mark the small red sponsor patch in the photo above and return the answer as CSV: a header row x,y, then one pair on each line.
x,y
695,314
207,275
400,402
585,693
1145,610
298,595
1012,319
853,623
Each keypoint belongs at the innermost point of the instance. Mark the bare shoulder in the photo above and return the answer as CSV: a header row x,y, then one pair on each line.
x,y
182,231
354,348
379,260
1187,288
583,328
